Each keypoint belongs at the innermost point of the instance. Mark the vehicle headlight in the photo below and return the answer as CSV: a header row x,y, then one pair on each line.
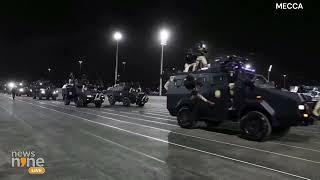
x,y
89,96
42,91
21,90
30,90
55,92
301,107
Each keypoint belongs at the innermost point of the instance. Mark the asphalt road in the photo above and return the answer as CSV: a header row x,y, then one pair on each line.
x,y
116,142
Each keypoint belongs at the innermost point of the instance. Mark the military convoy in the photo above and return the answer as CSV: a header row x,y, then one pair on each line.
x,y
239,95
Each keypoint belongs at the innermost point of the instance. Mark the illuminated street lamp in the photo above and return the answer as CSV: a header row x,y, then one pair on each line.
x,y
269,71
49,70
164,36
284,81
116,36
80,62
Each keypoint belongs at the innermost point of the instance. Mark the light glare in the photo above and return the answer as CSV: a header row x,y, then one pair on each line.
x,y
117,36
164,35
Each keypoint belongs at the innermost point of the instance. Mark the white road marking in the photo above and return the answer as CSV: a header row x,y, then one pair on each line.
x,y
124,147
175,144
140,115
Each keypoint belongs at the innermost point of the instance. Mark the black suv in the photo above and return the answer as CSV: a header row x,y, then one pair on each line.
x,y
127,94
82,95
239,95
44,89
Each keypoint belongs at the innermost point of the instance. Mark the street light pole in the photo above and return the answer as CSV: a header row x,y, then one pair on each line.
x,y
161,70
284,81
117,36
124,66
80,62
116,68
164,35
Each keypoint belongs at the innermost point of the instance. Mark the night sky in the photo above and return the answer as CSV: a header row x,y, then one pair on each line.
x,y
36,35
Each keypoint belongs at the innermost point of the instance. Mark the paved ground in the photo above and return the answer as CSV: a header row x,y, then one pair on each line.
x,y
144,143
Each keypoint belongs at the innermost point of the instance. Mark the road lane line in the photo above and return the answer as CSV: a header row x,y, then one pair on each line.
x,y
175,144
122,146
140,115
298,147
206,139
147,112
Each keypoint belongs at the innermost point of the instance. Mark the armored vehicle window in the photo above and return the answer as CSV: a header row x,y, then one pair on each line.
x,y
217,79
178,82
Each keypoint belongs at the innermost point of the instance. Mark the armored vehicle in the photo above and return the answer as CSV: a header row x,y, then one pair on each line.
x,y
127,94
239,95
43,89
23,89
82,95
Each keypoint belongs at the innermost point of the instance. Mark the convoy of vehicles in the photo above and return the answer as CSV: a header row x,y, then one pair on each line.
x,y
127,94
226,90
239,95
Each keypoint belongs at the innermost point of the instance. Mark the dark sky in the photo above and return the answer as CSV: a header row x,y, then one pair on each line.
x,y
35,35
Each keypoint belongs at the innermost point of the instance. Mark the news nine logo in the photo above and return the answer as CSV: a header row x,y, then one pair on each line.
x,y
28,159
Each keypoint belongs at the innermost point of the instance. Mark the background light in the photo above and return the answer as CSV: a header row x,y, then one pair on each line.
x,y
248,66
117,36
11,85
164,36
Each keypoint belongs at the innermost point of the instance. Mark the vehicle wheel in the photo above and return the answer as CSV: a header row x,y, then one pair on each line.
x,y
98,104
40,98
186,118
66,101
126,101
280,132
112,101
47,98
34,97
79,102
255,126
140,104
54,98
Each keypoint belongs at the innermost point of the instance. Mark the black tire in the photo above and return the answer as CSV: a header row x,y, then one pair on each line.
x,y
186,118
66,101
98,104
47,98
141,104
111,100
255,126
40,98
34,97
126,101
79,102
54,98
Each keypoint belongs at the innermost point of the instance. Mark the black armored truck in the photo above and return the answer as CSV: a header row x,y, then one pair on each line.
x,y
128,94
82,95
43,89
236,93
